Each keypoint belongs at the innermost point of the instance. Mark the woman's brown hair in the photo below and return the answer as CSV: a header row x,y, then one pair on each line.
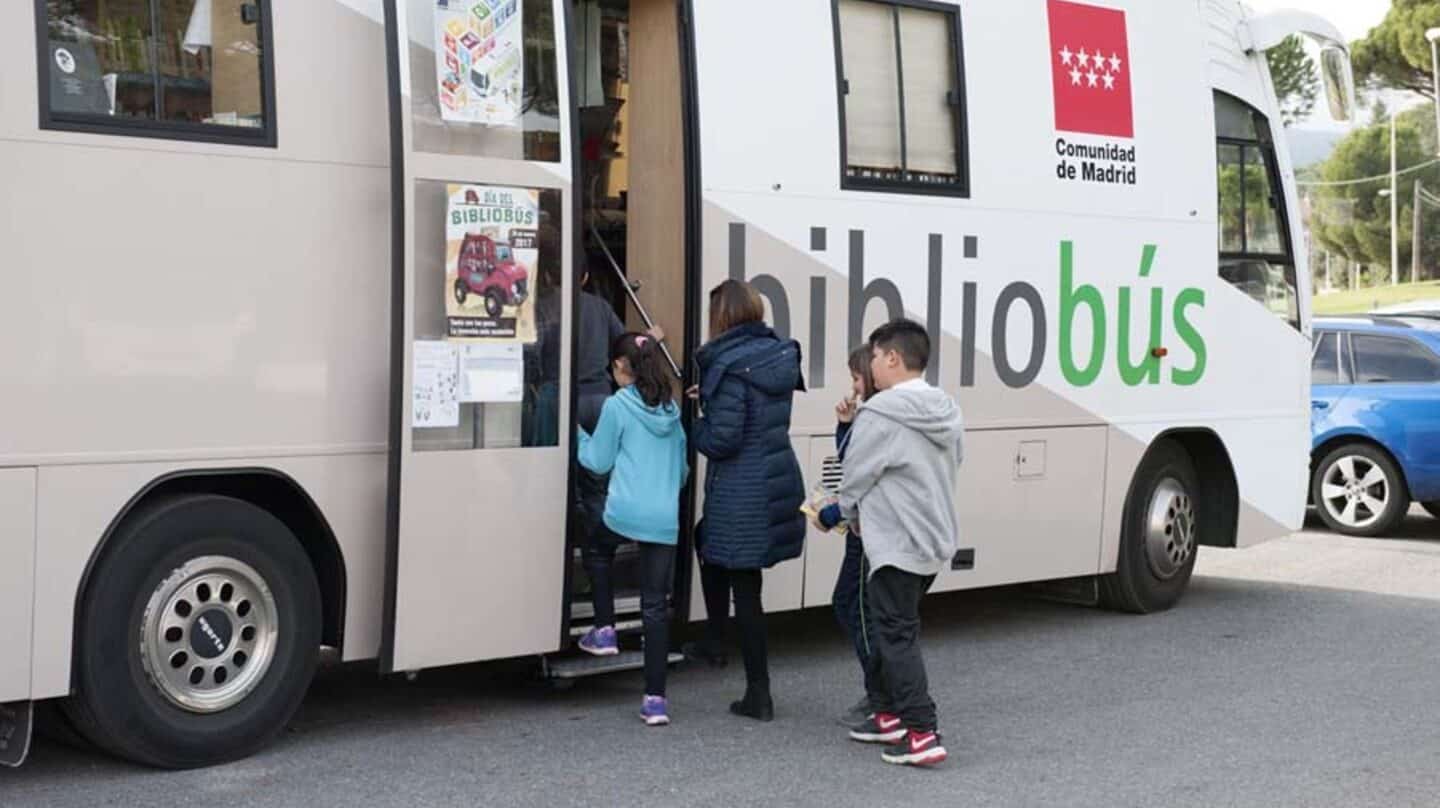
x,y
734,303
860,366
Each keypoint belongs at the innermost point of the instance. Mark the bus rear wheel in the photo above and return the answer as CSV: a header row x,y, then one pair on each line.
x,y
198,634
1160,534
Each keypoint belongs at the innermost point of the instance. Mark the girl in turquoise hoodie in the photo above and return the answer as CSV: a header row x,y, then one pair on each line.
x,y
639,442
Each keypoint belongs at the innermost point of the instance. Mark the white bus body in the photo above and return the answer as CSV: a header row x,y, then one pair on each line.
x,y
192,318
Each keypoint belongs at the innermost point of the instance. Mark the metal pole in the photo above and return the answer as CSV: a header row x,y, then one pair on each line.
x,y
1433,34
1415,238
634,299
1394,212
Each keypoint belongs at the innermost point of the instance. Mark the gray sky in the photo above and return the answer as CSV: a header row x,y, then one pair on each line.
x,y
1353,17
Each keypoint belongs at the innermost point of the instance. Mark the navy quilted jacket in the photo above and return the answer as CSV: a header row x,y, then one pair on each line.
x,y
753,484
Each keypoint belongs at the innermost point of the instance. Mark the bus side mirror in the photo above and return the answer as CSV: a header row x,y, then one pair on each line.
x,y
250,13
1339,82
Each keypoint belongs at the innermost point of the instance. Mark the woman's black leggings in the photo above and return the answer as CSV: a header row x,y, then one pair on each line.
x,y
718,583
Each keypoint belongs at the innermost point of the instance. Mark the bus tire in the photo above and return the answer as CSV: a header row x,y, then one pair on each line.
x,y
1160,534
462,291
198,635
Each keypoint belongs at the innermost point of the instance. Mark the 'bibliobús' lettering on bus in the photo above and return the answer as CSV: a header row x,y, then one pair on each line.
x,y
1138,358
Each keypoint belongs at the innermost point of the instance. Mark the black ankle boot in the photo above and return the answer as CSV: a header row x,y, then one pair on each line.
x,y
757,704
707,651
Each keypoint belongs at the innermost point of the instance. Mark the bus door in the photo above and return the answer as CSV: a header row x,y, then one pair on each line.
x,y
483,229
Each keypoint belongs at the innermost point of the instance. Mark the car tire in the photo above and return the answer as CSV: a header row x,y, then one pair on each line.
x,y
1160,534
1359,491
1433,506
198,635
494,307
462,291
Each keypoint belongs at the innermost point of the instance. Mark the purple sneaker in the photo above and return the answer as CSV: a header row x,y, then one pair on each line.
x,y
652,711
600,641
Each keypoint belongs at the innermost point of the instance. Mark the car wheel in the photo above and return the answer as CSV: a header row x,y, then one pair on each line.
x,y
198,636
493,305
1358,491
462,291
1433,506
1160,534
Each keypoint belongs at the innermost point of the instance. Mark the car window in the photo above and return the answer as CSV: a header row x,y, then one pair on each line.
x,y
1393,359
1325,365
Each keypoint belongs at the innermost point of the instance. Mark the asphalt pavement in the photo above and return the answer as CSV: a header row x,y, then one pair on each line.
x,y
1301,672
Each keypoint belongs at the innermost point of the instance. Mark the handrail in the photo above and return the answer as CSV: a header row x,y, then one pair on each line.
x,y
634,299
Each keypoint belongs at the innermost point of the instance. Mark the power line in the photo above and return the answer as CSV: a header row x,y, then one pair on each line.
x,y
1362,180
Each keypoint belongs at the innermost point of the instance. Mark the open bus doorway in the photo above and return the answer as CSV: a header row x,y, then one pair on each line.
x,y
629,72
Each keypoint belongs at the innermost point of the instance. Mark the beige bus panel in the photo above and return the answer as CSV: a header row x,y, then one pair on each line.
x,y
17,580
79,503
182,305
193,300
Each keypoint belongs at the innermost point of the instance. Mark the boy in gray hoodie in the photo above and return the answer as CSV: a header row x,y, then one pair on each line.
x,y
898,489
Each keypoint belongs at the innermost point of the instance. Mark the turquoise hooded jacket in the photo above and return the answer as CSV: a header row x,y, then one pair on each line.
x,y
642,448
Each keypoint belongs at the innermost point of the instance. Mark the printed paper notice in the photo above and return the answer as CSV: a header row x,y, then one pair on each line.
x,y
492,251
434,396
480,61
492,373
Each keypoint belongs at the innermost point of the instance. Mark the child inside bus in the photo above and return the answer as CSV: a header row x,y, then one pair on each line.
x,y
849,595
899,475
640,443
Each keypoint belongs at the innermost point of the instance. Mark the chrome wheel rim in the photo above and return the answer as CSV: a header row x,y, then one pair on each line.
x,y
209,634
1355,491
1169,528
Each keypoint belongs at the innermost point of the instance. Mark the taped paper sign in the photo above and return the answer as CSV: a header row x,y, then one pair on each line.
x,y
480,60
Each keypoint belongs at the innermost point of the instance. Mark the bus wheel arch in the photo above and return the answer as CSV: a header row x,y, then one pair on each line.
x,y
270,490
198,636
274,526
1183,494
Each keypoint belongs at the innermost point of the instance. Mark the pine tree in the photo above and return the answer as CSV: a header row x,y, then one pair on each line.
x,y
1297,83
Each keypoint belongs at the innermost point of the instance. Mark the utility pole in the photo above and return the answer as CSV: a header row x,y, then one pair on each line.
x,y
1394,212
1415,238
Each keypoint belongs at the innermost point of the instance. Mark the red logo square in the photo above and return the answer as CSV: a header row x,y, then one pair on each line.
x,y
1090,68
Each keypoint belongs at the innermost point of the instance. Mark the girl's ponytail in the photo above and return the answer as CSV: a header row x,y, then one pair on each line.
x,y
652,373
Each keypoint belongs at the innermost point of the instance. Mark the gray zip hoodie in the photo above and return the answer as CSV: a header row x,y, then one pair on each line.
x,y
898,485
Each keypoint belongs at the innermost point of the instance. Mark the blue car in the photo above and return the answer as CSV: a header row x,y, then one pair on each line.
x,y
1375,420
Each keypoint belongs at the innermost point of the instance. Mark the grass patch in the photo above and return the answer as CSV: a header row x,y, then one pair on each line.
x,y
1359,301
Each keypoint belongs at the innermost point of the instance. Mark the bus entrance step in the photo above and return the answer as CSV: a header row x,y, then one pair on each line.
x,y
581,666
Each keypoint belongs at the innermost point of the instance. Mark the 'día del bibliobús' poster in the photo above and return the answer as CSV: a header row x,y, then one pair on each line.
x,y
480,60
492,254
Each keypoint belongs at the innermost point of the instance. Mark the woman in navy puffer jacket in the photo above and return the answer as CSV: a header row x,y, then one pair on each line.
x,y
753,483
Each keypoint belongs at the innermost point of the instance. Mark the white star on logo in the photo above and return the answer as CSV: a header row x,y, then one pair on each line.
x,y
1092,77
1084,58
1075,77
1115,62
1065,54
1109,82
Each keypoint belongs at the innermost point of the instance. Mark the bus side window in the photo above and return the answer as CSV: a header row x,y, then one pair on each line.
x,y
198,70
1256,252
901,90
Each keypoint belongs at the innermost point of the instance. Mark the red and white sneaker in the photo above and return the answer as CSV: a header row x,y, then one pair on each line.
x,y
879,728
917,749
